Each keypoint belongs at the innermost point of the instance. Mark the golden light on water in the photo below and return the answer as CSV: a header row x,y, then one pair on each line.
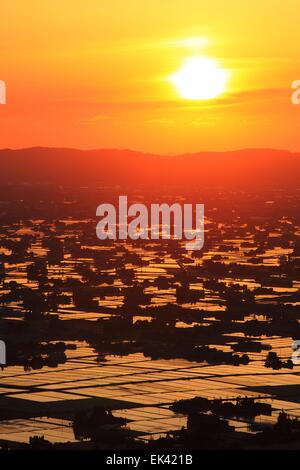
x,y
200,78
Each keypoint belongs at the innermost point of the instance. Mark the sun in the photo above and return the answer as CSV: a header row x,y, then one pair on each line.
x,y
200,78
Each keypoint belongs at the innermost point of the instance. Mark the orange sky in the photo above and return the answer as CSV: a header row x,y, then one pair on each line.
x,y
93,74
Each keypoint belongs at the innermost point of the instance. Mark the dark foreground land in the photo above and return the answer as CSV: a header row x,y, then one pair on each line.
x,y
142,344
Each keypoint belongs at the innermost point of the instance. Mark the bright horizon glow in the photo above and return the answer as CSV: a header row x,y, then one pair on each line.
x,y
200,78
194,42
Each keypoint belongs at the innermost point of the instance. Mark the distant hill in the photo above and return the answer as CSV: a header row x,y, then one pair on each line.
x,y
254,167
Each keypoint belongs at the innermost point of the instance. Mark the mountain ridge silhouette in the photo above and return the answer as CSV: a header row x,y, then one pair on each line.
x,y
254,167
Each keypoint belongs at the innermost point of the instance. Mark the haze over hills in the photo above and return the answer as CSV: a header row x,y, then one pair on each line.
x,y
254,167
